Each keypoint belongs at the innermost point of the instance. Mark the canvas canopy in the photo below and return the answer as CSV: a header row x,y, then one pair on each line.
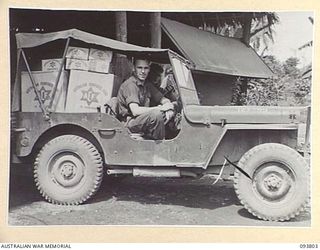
x,y
214,53
29,40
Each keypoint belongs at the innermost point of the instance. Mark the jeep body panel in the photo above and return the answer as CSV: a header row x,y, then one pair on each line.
x,y
242,114
118,147
195,145
237,140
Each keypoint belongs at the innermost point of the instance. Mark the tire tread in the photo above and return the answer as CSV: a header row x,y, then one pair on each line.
x,y
96,161
243,201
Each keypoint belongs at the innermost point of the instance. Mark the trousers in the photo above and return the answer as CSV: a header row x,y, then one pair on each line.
x,y
151,124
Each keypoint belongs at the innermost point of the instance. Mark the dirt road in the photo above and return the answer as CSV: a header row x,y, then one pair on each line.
x,y
140,201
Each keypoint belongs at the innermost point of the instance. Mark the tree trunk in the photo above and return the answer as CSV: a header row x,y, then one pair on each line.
x,y
155,29
121,26
247,29
122,67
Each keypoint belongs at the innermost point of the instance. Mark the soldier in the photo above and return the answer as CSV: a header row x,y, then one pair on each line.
x,y
134,97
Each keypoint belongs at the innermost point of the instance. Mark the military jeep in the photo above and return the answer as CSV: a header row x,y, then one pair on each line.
x,y
73,149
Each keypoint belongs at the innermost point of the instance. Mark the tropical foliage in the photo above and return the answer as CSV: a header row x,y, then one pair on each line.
x,y
286,88
255,28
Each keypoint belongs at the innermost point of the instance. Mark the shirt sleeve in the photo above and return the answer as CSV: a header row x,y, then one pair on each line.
x,y
131,94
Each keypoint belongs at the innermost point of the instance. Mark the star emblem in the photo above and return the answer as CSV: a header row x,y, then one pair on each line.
x,y
52,64
44,94
89,96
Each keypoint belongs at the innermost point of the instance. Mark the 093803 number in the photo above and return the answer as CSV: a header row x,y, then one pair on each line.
x,y
308,246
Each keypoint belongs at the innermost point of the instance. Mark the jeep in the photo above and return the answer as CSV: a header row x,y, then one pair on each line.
x,y
73,147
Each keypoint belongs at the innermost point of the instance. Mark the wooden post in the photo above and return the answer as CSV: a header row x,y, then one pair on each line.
x,y
121,26
155,29
244,90
247,29
122,69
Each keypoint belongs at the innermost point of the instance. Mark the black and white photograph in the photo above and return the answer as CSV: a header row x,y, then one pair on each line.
x,y
168,118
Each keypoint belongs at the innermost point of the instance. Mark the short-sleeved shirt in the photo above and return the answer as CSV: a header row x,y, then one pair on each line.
x,y
134,91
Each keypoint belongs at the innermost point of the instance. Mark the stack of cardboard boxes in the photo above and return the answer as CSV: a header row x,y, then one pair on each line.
x,y
89,85
45,82
88,59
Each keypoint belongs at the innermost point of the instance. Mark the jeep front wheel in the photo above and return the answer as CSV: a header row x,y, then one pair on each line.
x,y
68,170
279,188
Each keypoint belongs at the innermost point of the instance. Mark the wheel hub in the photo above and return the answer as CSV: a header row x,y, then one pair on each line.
x,y
66,169
273,182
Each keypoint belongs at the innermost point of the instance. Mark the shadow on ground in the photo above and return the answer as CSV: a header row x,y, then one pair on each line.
x,y
138,201
186,192
193,193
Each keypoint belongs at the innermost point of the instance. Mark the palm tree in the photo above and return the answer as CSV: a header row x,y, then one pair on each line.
x,y
307,71
310,43
261,34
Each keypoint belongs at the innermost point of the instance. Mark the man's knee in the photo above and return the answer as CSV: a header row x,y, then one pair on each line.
x,y
156,116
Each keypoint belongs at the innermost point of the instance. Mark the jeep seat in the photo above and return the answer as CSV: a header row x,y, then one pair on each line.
x,y
112,108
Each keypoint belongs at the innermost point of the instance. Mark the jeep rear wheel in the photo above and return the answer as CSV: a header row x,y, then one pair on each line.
x,y
68,170
279,189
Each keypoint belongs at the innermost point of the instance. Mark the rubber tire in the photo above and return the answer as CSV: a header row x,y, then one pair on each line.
x,y
86,159
254,162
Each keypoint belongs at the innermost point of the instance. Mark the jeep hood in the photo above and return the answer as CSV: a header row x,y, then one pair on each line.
x,y
243,114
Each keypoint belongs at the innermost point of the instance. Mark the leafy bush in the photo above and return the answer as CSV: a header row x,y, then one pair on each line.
x,y
286,88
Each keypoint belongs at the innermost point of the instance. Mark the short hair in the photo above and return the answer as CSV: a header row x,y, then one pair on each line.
x,y
135,59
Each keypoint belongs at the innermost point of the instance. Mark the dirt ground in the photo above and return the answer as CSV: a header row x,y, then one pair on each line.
x,y
140,201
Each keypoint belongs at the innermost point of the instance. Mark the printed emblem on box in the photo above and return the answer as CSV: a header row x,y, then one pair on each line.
x,y
44,82
104,55
88,90
51,64
99,66
77,64
77,53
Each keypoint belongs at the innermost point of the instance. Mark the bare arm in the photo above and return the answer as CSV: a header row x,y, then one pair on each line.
x,y
164,100
138,110
167,104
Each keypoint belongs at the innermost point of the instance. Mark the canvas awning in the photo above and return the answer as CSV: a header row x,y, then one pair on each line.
x,y
214,53
29,40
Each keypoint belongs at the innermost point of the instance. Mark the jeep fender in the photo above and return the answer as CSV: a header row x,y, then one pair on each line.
x,y
236,139
32,132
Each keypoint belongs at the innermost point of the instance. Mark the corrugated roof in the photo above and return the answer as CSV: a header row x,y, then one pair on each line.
x,y
214,53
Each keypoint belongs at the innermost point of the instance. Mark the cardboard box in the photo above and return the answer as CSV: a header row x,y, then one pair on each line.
x,y
51,64
77,64
99,66
104,55
88,90
45,82
77,53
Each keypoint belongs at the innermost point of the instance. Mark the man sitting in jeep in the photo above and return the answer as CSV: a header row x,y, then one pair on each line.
x,y
134,98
